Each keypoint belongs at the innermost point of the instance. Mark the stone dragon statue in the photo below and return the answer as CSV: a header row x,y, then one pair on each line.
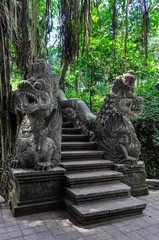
x,y
119,138
112,127
38,143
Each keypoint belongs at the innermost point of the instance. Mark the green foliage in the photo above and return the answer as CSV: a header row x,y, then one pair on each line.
x,y
15,78
97,100
147,128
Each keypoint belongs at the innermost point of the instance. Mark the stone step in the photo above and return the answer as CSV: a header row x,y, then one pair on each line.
x,y
86,165
71,130
67,125
96,193
92,177
74,138
105,210
79,155
74,146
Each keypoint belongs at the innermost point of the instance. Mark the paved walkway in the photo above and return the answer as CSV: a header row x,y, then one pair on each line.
x,y
59,225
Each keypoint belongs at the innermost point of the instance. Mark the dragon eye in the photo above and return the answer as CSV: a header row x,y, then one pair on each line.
x,y
38,85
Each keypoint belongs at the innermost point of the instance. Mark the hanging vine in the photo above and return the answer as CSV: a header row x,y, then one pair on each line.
x,y
8,36
34,31
114,26
74,19
24,46
145,27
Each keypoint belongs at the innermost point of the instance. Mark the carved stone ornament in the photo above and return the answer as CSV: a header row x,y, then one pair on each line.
x,y
38,143
119,139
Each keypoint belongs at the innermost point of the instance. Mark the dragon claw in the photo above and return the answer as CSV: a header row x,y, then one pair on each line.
x,y
43,166
131,160
14,164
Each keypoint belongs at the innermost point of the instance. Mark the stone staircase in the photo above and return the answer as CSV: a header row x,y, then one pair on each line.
x,y
93,191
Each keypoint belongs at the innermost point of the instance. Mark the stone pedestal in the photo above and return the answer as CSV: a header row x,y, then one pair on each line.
x,y
135,177
153,184
36,191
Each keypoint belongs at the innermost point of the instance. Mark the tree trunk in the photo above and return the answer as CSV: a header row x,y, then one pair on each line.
x,y
108,86
76,84
5,91
34,32
63,71
114,25
100,87
24,51
126,32
108,82
123,39
80,80
90,93
145,30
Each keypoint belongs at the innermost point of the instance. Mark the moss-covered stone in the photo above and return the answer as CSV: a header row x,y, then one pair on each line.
x,y
135,177
36,191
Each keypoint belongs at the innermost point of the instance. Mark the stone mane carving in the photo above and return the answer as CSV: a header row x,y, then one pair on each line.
x,y
38,143
112,126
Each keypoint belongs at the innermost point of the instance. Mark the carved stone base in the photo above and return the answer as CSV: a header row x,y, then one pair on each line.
x,y
134,176
36,191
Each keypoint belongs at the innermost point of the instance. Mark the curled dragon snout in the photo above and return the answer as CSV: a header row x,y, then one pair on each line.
x,y
25,85
132,107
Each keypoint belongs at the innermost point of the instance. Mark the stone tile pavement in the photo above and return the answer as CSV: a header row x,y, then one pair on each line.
x,y
59,225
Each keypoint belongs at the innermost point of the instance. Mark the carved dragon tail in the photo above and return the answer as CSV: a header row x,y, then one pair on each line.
x,y
84,114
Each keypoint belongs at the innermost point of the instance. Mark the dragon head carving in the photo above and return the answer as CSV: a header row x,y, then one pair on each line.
x,y
39,92
128,102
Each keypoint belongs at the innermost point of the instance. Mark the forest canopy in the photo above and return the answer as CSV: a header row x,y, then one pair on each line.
x,y
87,42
